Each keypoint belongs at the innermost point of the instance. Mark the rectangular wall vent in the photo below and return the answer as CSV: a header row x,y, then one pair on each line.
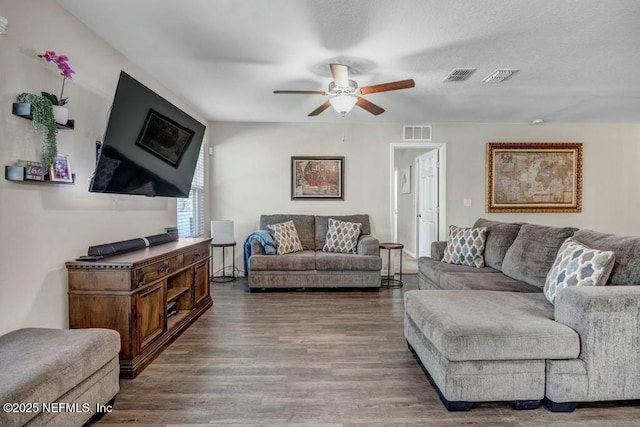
x,y
499,75
459,74
416,133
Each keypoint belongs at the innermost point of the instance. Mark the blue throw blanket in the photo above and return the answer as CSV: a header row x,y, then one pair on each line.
x,y
265,239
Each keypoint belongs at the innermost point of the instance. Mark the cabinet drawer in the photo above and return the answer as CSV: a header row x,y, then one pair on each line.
x,y
157,270
196,255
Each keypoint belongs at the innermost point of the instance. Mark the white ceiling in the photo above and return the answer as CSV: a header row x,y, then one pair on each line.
x,y
578,59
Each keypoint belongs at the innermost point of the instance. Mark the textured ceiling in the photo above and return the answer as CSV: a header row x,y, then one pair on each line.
x,y
578,59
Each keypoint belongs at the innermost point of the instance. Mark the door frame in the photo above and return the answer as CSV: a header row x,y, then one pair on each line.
x,y
442,184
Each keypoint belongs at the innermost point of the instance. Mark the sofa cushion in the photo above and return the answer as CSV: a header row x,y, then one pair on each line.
x,y
368,245
305,225
626,269
489,325
297,261
342,236
532,254
337,261
485,282
577,265
437,250
41,365
465,246
286,237
433,269
500,237
322,226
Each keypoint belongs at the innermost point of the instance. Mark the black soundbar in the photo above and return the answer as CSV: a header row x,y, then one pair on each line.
x,y
159,239
130,245
117,247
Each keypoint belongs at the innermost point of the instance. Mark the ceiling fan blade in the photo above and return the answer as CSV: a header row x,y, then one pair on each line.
x,y
302,92
385,87
340,74
369,106
320,109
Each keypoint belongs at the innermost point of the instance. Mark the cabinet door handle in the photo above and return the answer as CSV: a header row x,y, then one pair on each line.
x,y
164,267
198,255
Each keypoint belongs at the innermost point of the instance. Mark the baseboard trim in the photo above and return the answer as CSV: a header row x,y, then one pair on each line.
x,y
411,254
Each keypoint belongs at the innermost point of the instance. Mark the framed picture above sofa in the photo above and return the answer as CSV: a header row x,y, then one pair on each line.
x,y
317,178
534,177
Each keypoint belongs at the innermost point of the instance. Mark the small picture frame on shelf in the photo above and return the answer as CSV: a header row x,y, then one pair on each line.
x,y
32,170
60,169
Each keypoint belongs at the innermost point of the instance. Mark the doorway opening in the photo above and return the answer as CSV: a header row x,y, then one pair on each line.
x,y
418,195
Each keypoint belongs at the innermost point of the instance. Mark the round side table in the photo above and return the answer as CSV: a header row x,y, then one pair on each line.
x,y
224,277
390,281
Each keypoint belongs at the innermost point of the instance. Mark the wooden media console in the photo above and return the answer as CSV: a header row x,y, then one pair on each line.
x,y
150,296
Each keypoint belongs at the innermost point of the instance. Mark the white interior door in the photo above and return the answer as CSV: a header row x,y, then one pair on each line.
x,y
428,200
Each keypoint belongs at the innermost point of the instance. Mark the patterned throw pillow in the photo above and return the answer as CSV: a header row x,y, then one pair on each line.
x,y
577,265
342,236
286,237
465,246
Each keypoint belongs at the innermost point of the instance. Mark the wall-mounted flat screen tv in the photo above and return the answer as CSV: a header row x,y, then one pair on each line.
x,y
150,146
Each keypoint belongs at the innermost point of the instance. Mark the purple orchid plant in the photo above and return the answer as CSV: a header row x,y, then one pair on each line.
x,y
65,71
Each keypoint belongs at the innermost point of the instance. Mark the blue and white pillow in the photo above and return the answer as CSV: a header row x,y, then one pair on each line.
x,y
465,246
342,236
577,265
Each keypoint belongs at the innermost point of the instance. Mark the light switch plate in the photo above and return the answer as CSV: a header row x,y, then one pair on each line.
x,y
466,202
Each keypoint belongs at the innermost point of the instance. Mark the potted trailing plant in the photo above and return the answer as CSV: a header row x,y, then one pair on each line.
x,y
41,112
60,112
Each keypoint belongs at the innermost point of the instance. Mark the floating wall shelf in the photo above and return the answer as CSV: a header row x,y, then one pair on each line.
x,y
16,174
22,109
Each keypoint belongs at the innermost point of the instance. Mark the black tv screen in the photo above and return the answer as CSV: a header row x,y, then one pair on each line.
x,y
150,146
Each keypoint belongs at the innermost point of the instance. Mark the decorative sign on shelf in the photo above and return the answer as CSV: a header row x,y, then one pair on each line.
x,y
33,171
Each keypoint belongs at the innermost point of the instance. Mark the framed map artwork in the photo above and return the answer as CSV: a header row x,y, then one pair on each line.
x,y
534,177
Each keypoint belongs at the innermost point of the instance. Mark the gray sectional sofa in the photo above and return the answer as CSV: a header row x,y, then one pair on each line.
x,y
313,268
57,377
489,334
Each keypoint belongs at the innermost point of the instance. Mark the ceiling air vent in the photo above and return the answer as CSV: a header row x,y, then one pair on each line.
x,y
499,75
416,132
459,74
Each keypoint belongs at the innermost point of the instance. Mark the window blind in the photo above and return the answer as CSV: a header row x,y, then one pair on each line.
x,y
191,210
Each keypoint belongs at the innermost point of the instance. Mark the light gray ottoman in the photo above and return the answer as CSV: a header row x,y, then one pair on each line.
x,y
41,367
485,345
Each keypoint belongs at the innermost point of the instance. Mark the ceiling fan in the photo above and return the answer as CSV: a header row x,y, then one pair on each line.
x,y
345,93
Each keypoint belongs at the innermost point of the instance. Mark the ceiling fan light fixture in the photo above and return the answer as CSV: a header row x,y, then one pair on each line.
x,y
343,103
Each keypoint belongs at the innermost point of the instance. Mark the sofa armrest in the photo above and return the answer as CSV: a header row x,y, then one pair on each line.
x,y
368,245
437,250
256,248
607,318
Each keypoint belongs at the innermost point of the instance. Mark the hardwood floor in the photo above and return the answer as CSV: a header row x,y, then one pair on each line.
x,y
310,359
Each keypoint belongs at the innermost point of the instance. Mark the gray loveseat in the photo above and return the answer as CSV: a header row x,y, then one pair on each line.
x,y
489,334
312,268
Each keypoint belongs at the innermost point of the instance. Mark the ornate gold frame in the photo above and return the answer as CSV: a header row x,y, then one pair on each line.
x,y
546,147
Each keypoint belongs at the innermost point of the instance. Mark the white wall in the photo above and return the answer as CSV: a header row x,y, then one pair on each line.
x,y
41,225
251,171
